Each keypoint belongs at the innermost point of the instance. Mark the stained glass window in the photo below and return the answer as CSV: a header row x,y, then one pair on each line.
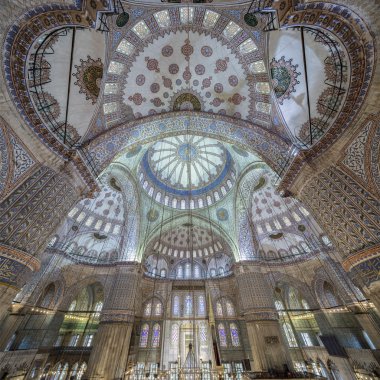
x,y
279,305
263,107
109,107
210,18
98,308
219,310
180,272
231,30
222,335
125,47
201,305
197,271
175,333
188,270
115,67
148,309
230,309
234,335
144,335
158,308
289,335
305,247
186,15
141,29
188,305
247,46
176,306
263,88
203,333
162,18
257,67
156,335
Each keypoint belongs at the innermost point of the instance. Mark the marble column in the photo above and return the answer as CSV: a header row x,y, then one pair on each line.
x,y
269,350
28,217
109,355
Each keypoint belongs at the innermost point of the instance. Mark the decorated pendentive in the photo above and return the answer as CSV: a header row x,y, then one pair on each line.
x,y
89,75
284,78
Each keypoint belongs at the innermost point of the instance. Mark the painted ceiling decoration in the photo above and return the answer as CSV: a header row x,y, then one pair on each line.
x,y
209,60
187,172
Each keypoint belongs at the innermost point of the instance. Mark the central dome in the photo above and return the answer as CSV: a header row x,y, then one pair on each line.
x,y
187,171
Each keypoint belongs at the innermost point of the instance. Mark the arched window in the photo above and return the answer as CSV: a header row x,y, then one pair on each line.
x,y
144,335
219,309
230,309
279,305
294,251
203,332
73,372
188,270
234,335
52,241
73,305
289,334
201,305
156,335
64,372
163,272
305,247
98,308
305,305
81,371
58,372
330,295
197,271
175,333
158,308
222,335
326,241
176,306
212,272
179,271
188,305
148,309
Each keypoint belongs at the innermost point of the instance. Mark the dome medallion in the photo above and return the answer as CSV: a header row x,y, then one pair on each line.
x,y
187,172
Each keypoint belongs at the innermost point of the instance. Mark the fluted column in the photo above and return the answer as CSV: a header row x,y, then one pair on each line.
x,y
28,217
269,350
109,355
344,209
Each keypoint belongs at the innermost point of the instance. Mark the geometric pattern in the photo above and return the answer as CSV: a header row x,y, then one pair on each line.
x,y
345,209
284,78
22,159
355,153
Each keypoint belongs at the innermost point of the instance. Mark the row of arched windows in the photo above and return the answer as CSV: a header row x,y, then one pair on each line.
x,y
150,339
153,307
224,308
183,305
234,334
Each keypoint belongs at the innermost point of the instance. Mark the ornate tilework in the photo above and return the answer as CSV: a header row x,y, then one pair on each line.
x,y
355,154
22,160
284,78
89,76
